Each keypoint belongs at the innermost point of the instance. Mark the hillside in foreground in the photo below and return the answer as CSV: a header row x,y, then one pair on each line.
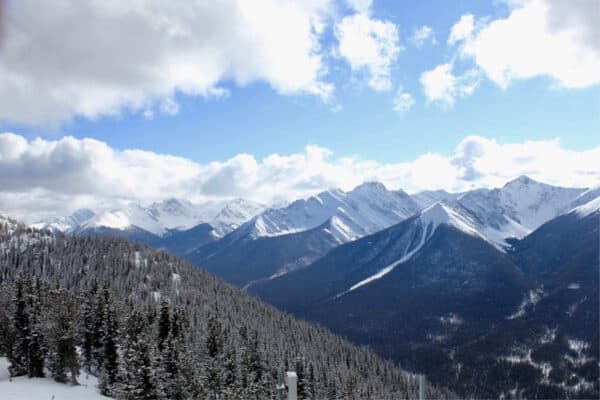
x,y
227,343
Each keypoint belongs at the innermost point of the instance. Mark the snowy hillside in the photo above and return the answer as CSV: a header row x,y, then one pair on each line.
x,y
24,388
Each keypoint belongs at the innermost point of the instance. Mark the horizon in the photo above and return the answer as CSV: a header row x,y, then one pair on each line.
x,y
224,202
345,92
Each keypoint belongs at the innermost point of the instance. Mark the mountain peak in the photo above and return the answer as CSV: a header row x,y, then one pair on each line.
x,y
370,186
521,180
443,213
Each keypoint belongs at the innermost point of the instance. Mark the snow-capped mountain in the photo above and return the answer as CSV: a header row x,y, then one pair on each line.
x,y
586,197
516,209
158,218
428,197
366,209
234,214
65,224
416,232
430,284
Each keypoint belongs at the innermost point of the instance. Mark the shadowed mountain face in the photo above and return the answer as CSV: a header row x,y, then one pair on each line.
x,y
484,321
246,246
246,261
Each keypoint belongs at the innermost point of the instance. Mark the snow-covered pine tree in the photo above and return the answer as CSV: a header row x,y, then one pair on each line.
x,y
110,355
101,298
18,351
214,352
62,335
87,321
36,351
138,374
164,325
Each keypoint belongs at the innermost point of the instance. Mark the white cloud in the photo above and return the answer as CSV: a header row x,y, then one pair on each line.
x,y
403,101
462,30
555,39
369,45
421,35
44,177
361,6
442,86
66,58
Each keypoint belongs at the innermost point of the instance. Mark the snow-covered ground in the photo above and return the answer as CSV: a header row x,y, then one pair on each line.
x,y
24,388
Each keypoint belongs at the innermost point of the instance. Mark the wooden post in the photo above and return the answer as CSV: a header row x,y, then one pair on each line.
x,y
421,387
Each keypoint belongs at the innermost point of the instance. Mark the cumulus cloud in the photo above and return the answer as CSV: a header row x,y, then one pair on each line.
x,y
442,86
47,177
462,30
422,35
403,101
369,45
66,58
555,39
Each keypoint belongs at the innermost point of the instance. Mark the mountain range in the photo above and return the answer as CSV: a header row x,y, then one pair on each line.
x,y
278,241
158,219
438,295
246,242
490,291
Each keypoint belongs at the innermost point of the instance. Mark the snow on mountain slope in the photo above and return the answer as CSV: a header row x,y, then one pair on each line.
x,y
64,224
422,229
586,197
233,214
535,203
428,197
132,215
516,209
366,209
158,218
592,206
182,214
24,388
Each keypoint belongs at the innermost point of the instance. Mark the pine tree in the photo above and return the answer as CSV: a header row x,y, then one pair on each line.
x,y
164,325
139,377
110,356
301,383
87,323
214,348
63,357
98,328
36,352
18,355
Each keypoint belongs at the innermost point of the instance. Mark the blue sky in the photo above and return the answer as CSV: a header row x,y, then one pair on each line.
x,y
210,82
257,120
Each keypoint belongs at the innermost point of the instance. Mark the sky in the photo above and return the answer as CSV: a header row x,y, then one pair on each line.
x,y
104,102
